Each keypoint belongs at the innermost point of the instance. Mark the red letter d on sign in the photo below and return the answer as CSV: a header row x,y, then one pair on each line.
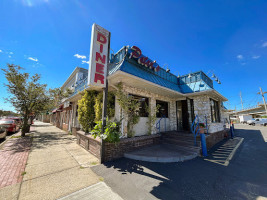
x,y
101,38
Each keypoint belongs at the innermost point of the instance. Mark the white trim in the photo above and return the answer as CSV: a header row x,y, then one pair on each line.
x,y
77,69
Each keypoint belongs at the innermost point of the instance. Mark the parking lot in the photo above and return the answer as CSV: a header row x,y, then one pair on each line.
x,y
244,177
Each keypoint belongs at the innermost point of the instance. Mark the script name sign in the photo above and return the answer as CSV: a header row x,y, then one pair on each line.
x,y
136,53
98,64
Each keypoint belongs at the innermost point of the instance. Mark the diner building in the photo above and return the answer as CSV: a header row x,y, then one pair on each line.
x,y
180,98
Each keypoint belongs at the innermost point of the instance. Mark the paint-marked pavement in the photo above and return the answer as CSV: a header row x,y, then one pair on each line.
x,y
225,153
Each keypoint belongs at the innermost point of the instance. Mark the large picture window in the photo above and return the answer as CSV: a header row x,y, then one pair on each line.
x,y
215,111
163,109
143,105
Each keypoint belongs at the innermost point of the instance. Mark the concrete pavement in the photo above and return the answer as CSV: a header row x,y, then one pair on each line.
x,y
56,167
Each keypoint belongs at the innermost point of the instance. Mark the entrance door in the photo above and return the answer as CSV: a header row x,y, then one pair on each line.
x,y
182,115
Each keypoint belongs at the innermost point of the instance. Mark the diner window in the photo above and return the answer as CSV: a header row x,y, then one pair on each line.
x,y
163,109
144,103
215,111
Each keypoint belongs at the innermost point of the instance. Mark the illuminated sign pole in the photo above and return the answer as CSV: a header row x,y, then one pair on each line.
x,y
98,67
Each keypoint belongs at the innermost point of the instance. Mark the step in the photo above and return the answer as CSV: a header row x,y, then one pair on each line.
x,y
181,141
178,135
178,138
183,146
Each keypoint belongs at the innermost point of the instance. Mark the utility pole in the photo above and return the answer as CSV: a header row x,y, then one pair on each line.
x,y
241,100
262,94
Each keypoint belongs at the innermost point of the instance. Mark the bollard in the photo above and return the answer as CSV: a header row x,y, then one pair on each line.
x,y
203,145
232,132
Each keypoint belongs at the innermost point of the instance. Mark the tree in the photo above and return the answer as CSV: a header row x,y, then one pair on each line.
x,y
86,112
28,96
57,95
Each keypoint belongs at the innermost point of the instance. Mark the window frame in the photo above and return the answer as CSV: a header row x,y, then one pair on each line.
x,y
215,111
159,113
142,109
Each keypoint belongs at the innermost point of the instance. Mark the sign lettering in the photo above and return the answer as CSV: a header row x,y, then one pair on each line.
x,y
98,57
136,54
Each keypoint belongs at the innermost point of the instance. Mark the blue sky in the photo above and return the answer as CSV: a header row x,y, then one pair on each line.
x,y
228,38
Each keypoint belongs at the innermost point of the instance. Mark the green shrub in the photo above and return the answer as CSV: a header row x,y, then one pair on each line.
x,y
111,133
86,112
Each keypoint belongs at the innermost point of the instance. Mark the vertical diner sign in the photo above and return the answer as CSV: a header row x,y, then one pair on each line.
x,y
98,57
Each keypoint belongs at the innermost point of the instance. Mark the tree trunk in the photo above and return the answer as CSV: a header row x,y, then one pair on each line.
x,y
25,126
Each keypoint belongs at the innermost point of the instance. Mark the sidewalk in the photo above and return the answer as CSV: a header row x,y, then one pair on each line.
x,y
13,158
56,166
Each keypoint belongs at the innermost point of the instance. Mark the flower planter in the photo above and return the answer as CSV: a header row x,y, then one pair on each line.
x,y
201,130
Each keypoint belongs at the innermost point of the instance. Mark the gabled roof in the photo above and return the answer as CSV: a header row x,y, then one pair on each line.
x,y
75,71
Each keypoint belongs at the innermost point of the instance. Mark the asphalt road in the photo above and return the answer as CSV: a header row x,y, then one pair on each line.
x,y
244,178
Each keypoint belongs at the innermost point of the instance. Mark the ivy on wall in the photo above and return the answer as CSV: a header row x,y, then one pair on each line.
x,y
152,117
130,107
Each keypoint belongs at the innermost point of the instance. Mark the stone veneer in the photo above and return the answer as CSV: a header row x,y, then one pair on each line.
x,y
202,109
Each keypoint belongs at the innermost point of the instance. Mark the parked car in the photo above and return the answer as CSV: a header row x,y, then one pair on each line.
x,y
17,119
2,132
10,125
258,121
263,122
251,121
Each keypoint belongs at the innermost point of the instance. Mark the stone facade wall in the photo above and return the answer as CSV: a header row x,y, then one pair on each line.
x,y
202,109
89,143
114,151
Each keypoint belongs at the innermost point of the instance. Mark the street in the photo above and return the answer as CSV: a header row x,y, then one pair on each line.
x,y
245,177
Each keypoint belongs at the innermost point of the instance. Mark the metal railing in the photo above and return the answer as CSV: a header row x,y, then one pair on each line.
x,y
158,123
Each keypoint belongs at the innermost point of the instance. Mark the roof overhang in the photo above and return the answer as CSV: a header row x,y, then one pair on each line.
x,y
131,80
212,93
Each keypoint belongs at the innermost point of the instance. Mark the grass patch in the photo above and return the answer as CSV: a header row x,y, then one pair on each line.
x,y
81,167
23,173
15,136
101,178
94,163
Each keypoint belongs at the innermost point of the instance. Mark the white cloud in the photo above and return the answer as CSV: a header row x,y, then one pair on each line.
x,y
11,52
84,61
80,56
33,59
1,51
264,44
256,57
9,56
240,57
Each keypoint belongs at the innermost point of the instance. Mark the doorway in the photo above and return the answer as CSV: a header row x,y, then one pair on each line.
x,y
182,115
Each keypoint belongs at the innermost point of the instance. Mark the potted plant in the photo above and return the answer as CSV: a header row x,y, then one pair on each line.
x,y
201,127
